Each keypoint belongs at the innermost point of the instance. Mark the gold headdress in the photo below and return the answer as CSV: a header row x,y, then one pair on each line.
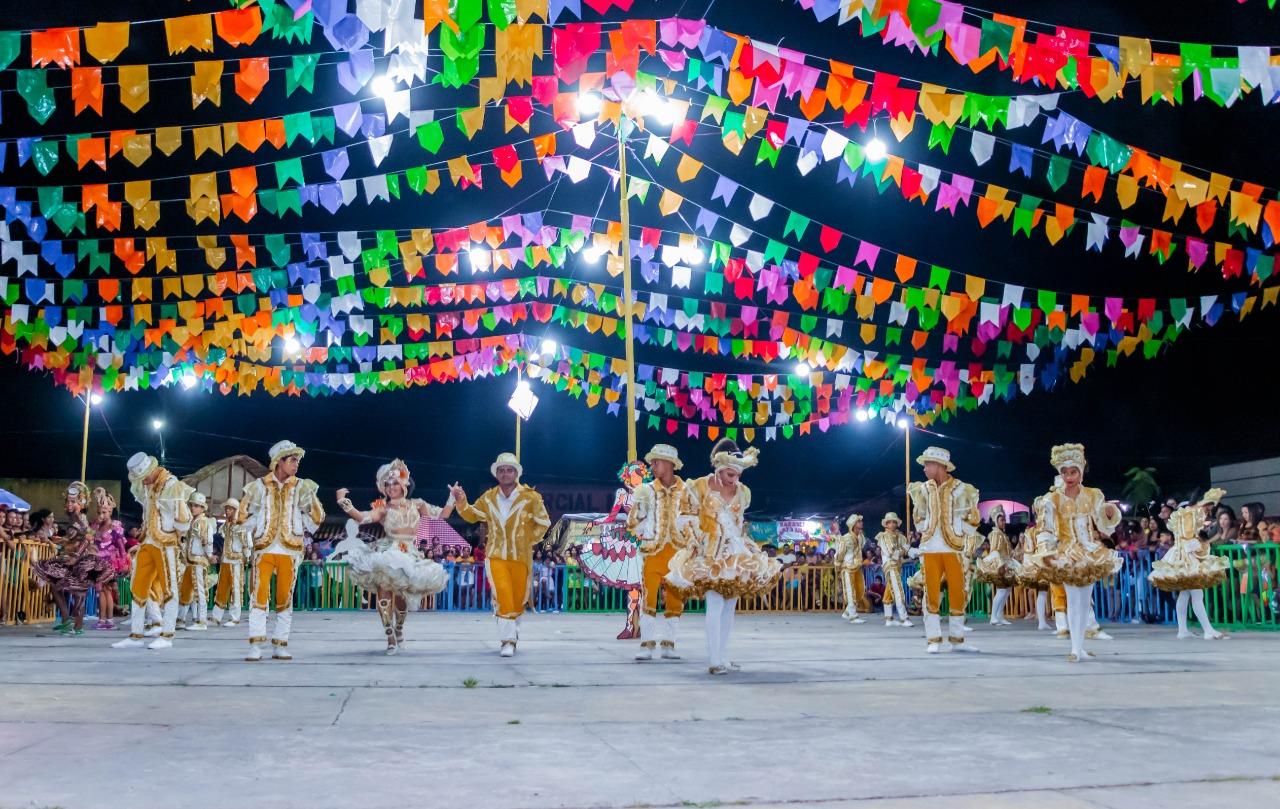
x,y
394,472
735,460
1064,455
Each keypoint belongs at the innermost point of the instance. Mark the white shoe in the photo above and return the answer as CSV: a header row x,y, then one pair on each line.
x,y
933,648
964,647
1063,633
1182,635
966,628
508,650
645,653
1044,627
891,622
1003,622
1215,635
280,653
231,623
857,620
128,643
906,622
669,653
254,655
153,632
198,627
734,666
160,643
1098,634
718,670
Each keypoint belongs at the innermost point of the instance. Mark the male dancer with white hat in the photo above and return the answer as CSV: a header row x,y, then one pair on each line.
x,y
848,549
197,545
517,520
235,547
165,518
653,520
893,545
279,510
946,513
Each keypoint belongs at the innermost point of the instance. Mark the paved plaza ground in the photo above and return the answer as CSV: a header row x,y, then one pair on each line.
x,y
822,714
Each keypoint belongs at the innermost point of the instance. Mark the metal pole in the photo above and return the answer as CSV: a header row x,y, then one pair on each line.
x,y
907,471
84,444
626,292
519,376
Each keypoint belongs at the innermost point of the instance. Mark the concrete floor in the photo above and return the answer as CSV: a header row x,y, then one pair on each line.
x,y
822,714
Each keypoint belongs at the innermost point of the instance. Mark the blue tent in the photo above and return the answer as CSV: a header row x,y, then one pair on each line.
x,y
13,501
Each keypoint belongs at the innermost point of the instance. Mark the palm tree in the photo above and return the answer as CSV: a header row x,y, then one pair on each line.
x,y
1141,486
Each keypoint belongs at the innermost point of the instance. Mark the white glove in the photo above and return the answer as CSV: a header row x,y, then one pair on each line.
x,y
913,553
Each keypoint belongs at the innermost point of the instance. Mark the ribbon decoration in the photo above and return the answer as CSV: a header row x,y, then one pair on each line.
x,y
1068,58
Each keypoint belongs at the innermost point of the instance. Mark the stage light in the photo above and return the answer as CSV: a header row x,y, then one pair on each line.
x,y
382,86
875,151
860,415
549,346
589,104
523,400
803,369
157,425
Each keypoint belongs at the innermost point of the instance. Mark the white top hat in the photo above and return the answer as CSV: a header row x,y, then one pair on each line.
x,y
996,511
664,452
140,465
937,455
231,502
892,516
198,499
853,520
283,449
506,459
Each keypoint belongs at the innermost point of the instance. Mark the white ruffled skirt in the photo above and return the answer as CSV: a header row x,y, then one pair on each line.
x,y
388,566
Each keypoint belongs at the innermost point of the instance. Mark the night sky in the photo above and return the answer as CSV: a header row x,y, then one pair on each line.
x,y
1206,399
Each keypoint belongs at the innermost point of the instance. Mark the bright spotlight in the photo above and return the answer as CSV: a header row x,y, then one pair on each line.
x,y
189,380
157,425
95,398
523,400
902,423
591,255
479,258
383,86
549,346
803,369
292,346
860,415
875,150
589,104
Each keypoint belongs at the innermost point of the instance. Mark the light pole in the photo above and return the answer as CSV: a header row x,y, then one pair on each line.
x,y
158,426
90,399
589,104
904,424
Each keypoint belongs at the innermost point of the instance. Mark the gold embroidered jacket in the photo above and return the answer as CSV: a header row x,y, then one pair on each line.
x,y
165,513
285,511
512,536
953,506
655,510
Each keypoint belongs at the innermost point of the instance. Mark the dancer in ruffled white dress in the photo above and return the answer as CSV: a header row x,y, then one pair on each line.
x,y
1066,551
394,568
1188,568
998,568
719,560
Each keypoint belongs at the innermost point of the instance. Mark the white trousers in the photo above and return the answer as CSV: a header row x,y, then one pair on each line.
x,y
1196,597
1079,612
899,599
720,612
197,610
997,606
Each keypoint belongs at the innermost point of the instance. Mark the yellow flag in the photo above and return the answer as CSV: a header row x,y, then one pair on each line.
x,y
106,40
688,168
206,83
168,139
135,86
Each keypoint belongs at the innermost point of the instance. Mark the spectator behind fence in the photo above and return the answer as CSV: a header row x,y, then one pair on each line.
x,y
1225,528
1250,519
43,526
